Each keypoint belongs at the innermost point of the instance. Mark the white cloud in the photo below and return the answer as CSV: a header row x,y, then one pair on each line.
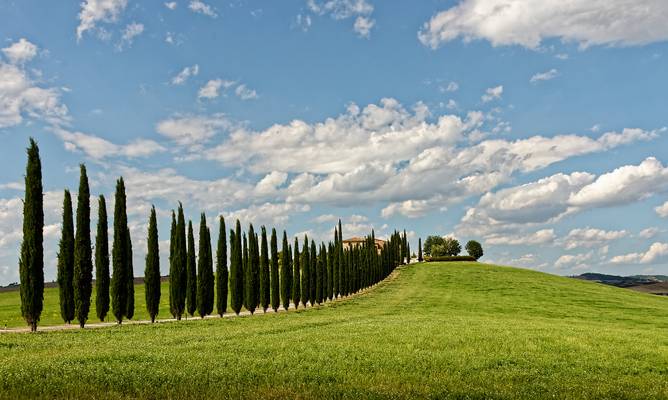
x,y
129,33
202,8
244,93
543,236
268,185
304,22
590,237
20,96
408,208
211,89
325,218
20,52
187,72
171,5
662,210
649,233
528,22
363,26
451,87
544,76
98,148
192,130
492,94
340,9
577,261
267,213
656,252
94,11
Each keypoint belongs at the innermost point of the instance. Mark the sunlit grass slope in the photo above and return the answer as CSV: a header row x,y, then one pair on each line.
x,y
455,330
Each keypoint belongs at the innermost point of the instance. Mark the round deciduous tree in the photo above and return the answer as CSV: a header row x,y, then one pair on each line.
x,y
474,249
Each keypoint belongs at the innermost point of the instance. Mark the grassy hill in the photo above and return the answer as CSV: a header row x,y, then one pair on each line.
x,y
453,330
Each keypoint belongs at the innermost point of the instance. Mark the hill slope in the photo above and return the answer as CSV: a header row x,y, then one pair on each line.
x,y
435,330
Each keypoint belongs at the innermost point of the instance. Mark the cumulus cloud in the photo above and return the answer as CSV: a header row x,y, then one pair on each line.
x,y
662,210
94,11
187,72
649,233
656,252
544,76
575,261
341,10
492,94
543,236
200,7
129,33
211,89
98,148
20,52
21,96
244,93
528,23
192,130
170,5
590,237
363,26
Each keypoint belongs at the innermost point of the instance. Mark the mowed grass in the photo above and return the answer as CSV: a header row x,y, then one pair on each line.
x,y
451,330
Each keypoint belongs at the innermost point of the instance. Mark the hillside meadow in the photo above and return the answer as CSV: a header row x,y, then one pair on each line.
x,y
435,330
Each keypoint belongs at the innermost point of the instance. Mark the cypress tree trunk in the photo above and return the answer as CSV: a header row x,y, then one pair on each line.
x,y
191,271
204,271
83,264
313,258
66,261
296,289
31,260
275,288
119,254
264,272
181,255
102,261
221,270
305,265
236,270
130,305
152,271
285,278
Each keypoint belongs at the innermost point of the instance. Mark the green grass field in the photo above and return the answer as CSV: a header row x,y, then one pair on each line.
x,y
455,330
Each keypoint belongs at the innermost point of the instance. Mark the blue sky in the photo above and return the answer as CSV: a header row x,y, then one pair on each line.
x,y
536,128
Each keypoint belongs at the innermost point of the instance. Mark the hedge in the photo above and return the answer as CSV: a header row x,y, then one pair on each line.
x,y
450,258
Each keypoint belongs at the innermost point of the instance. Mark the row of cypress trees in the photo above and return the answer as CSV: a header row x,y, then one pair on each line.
x,y
259,275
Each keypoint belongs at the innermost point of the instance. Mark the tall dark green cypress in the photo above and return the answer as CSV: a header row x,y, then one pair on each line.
x,y
204,271
264,272
313,259
341,262
221,270
250,283
102,261
275,287
31,260
83,263
335,265
330,272
130,305
236,270
256,268
285,276
296,275
66,261
191,273
173,293
178,278
245,269
119,254
420,250
318,275
305,265
152,269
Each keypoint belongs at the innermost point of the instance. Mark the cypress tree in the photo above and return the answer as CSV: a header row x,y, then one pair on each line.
x,y
340,261
102,261
330,272
119,254
221,270
264,272
318,275
335,264
204,271
83,264
236,270
305,265
275,291
313,258
191,273
152,270
256,268
245,269
250,287
31,260
285,277
130,305
66,261
173,293
296,275
178,268
420,250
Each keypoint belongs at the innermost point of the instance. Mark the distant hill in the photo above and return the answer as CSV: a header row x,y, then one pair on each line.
x,y
657,284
